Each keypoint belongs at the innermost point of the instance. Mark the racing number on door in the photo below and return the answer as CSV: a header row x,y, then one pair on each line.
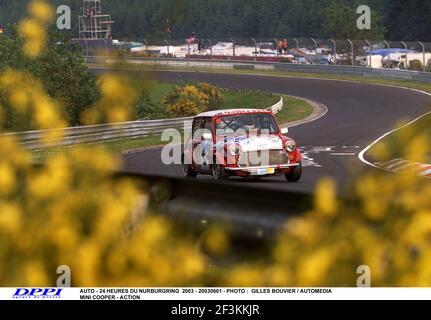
x,y
202,145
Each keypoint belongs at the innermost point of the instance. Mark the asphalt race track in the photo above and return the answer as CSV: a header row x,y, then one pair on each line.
x,y
357,115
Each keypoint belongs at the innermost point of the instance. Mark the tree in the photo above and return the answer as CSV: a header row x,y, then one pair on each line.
x,y
145,108
416,65
62,70
409,20
134,20
340,22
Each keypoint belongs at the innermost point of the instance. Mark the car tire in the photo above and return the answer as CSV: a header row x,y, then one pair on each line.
x,y
218,171
187,169
294,174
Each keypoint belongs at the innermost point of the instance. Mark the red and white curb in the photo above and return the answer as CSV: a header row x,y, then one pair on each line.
x,y
401,165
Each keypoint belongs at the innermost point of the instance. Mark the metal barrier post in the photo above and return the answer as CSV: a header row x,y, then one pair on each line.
x,y
406,66
255,48
276,46
211,48
297,42
146,45
353,51
423,52
233,46
315,45
389,53
369,52
335,50
167,46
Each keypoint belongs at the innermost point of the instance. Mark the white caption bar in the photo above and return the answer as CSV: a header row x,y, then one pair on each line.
x,y
252,294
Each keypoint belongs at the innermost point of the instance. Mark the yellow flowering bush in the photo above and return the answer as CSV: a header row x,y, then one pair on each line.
x,y
191,99
73,211
33,28
383,222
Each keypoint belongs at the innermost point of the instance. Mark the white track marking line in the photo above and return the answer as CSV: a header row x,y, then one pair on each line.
x,y
361,155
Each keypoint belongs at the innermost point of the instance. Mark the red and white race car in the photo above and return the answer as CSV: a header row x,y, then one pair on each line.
x,y
240,142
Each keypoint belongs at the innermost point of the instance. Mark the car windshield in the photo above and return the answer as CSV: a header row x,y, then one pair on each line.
x,y
237,124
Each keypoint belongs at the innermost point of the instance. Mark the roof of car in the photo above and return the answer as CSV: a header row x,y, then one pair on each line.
x,y
231,112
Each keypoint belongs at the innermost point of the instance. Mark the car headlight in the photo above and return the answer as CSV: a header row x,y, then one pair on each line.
x,y
290,146
234,149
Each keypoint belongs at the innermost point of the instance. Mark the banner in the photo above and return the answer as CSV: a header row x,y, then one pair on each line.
x,y
213,294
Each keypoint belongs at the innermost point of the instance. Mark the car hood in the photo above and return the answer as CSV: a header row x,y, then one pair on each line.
x,y
256,143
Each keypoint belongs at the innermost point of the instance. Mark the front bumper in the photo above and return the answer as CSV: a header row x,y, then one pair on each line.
x,y
262,170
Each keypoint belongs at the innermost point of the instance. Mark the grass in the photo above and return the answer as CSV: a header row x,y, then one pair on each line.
x,y
158,90
114,147
402,83
294,109
248,99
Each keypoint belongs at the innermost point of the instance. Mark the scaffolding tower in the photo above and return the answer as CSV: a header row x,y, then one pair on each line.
x,y
92,23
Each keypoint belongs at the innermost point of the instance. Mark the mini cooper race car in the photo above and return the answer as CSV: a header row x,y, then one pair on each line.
x,y
240,142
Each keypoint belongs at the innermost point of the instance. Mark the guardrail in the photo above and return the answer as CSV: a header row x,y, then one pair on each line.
x,y
106,132
367,72
245,210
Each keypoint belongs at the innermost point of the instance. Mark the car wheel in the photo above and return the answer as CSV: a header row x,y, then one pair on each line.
x,y
187,170
295,174
218,171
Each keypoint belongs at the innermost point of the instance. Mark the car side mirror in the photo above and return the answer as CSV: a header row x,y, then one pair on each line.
x,y
284,130
207,136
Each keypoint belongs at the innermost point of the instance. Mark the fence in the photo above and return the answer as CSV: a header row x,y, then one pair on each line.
x,y
384,73
376,54
106,132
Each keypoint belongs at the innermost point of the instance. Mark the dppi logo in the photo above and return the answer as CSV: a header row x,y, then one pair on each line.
x,y
37,293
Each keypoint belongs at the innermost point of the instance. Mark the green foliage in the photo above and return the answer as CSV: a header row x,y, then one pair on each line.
x,y
62,71
340,22
409,20
134,20
146,108
416,65
67,78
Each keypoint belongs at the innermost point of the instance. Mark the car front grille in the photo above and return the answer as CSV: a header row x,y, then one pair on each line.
x,y
263,158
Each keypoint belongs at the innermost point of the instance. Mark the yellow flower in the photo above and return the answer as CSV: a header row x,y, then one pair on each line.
x,y
7,178
216,241
325,201
10,217
41,10
34,35
86,264
20,100
34,274
313,268
244,275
